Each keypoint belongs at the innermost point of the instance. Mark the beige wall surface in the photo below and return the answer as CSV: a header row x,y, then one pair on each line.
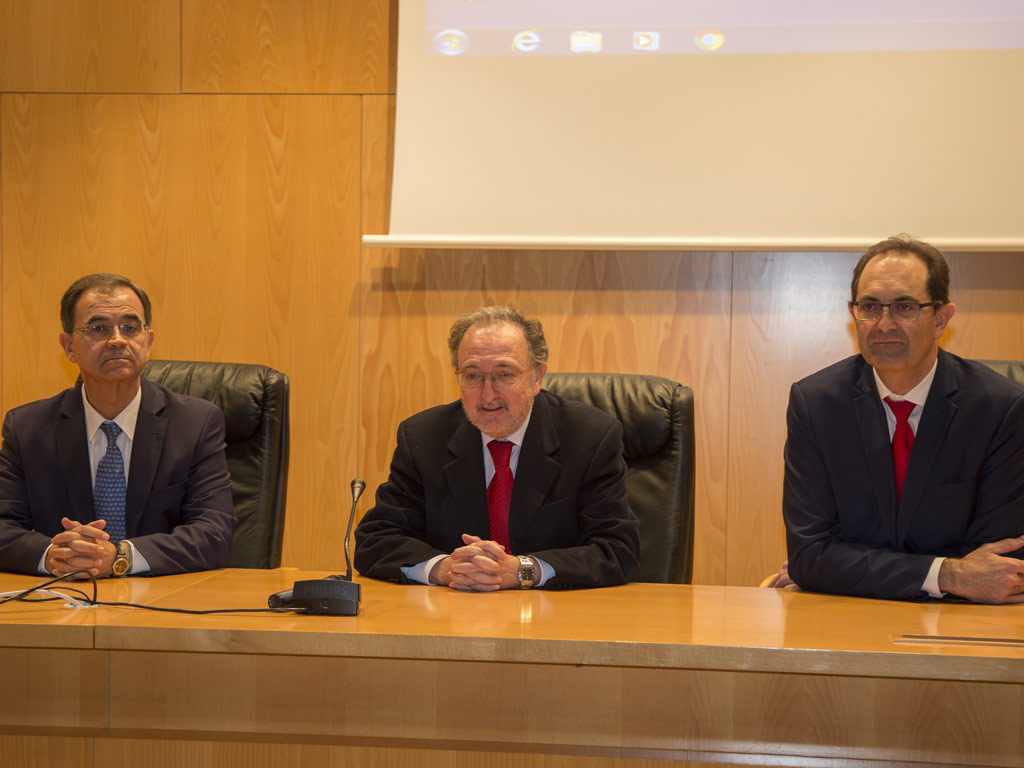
x,y
228,154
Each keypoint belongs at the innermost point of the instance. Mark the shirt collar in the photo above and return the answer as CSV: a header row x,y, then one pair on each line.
x,y
126,419
918,395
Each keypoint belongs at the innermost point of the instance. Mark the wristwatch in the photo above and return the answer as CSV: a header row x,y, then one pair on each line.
x,y
526,574
123,561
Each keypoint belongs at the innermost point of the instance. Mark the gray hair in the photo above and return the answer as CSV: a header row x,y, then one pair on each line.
x,y
531,329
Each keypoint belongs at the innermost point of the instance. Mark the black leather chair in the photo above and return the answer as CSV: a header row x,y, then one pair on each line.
x,y
254,399
1011,369
658,436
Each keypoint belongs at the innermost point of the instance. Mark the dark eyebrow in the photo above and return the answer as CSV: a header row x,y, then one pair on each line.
x,y
129,318
898,300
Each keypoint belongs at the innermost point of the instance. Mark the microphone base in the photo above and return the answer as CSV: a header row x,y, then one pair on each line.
x,y
327,597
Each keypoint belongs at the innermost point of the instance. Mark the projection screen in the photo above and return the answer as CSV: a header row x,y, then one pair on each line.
x,y
733,124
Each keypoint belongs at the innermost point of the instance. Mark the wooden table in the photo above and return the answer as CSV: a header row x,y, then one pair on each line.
x,y
426,676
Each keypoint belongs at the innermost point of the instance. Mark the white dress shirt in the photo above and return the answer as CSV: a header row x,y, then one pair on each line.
x,y
918,395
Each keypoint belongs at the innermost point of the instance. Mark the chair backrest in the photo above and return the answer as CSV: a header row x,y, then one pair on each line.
x,y
1011,369
254,399
658,438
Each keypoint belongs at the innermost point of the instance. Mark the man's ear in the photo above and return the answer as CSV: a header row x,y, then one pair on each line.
x,y
943,315
538,377
65,343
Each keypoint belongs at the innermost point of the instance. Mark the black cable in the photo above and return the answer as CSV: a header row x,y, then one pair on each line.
x,y
24,597
299,609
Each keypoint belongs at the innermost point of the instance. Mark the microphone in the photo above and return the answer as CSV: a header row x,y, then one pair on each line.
x,y
282,599
327,596
358,486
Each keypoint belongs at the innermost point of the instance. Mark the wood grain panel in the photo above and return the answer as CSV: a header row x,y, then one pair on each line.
x,y
988,290
288,46
46,751
239,215
789,320
671,713
118,753
89,46
53,687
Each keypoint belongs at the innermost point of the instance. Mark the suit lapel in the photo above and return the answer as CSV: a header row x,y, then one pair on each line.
x,y
464,477
874,434
938,412
537,467
73,449
147,445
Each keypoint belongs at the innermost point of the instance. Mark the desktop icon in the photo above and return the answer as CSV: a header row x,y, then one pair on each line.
x,y
585,42
709,39
451,42
646,41
526,41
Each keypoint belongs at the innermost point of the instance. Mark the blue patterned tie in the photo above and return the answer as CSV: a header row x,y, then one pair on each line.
x,y
108,494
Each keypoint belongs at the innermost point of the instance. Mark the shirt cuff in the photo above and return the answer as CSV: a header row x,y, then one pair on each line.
x,y
931,581
421,571
139,563
547,572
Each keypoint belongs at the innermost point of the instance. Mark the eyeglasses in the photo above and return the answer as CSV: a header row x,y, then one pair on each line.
x,y
102,331
898,310
475,380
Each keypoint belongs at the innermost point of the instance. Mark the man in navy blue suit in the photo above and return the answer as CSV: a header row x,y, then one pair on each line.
x,y
905,464
117,475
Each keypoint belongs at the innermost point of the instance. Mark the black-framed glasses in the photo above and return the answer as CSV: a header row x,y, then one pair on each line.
x,y
899,310
475,379
103,331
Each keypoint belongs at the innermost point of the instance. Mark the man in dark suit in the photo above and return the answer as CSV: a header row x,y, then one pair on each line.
x,y
511,487
905,464
118,475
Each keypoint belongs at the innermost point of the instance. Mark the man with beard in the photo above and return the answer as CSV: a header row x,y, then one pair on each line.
x,y
116,475
511,487
905,464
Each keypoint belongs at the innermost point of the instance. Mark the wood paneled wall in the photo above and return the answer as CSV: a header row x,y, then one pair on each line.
x,y
228,154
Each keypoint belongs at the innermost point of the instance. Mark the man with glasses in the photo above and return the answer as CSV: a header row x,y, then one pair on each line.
x,y
510,487
904,465
117,475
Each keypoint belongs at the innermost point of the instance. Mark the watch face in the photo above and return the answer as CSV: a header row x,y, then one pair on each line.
x,y
120,567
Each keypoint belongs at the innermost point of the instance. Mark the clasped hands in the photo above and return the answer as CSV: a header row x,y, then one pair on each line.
x,y
477,566
81,547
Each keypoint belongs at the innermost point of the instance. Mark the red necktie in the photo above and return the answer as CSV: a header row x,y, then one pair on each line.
x,y
499,492
902,440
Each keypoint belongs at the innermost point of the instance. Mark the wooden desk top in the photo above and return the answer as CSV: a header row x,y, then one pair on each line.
x,y
637,625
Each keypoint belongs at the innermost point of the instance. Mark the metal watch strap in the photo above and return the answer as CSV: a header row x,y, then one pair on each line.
x,y
526,572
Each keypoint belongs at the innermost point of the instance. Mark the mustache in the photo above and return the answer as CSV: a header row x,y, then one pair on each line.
x,y
895,335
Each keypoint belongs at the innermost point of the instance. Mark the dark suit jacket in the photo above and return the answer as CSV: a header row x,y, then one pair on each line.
x,y
569,504
179,513
964,485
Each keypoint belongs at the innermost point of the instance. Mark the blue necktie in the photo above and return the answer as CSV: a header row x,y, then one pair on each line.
x,y
108,494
